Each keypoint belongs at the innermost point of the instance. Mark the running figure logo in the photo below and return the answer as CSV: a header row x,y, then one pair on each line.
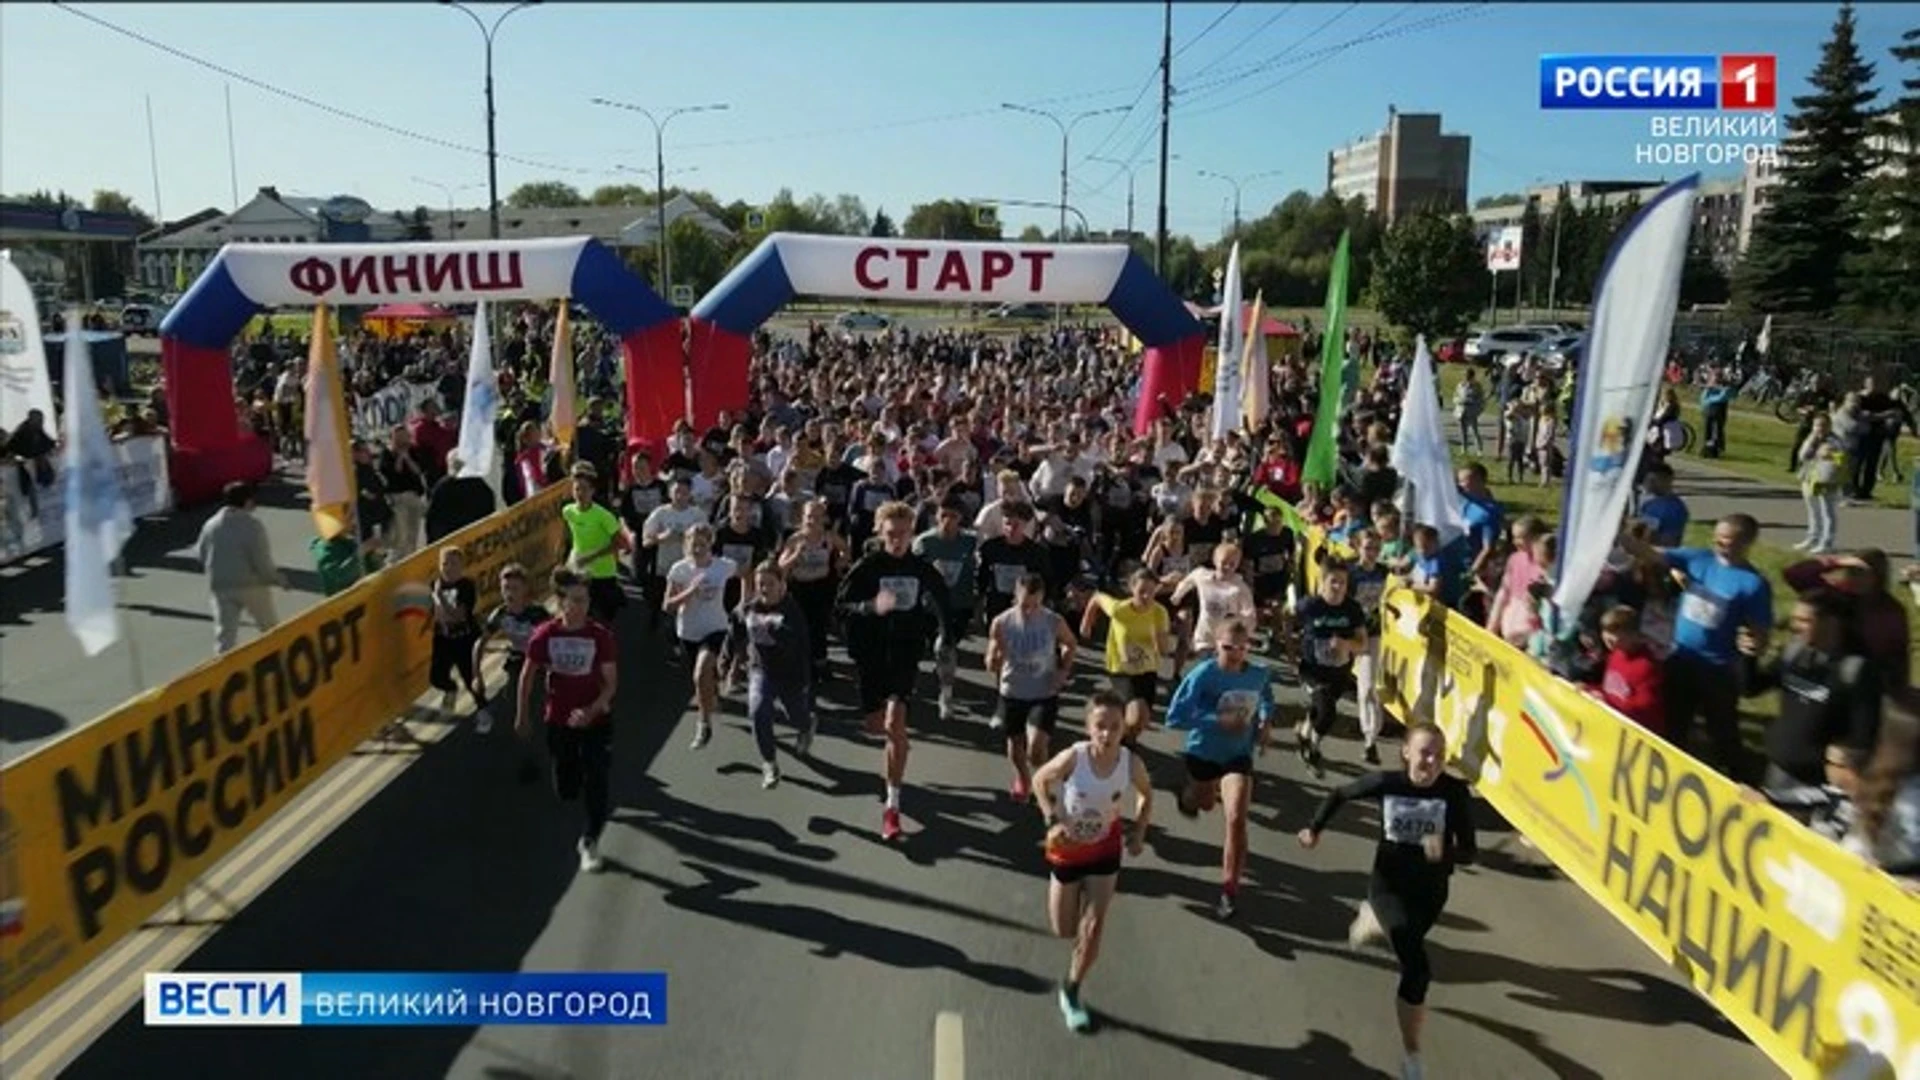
x,y
1564,750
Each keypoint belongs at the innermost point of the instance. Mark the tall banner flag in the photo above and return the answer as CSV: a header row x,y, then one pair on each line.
x,y
1765,341
1620,381
1255,378
562,416
480,413
1323,449
180,272
330,473
26,383
1226,362
98,517
1420,453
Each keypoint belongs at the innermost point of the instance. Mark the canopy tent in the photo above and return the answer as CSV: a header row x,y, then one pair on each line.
x,y
396,320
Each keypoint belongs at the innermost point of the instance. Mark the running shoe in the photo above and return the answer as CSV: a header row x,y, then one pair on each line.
x,y
482,720
1372,754
803,742
1310,754
770,776
1225,909
446,700
1410,1068
946,703
1019,789
1366,929
590,860
702,735
996,723
1073,1012
890,823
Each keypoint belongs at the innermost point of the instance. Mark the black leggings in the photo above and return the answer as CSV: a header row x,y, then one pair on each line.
x,y
451,655
816,603
582,759
1406,913
1324,690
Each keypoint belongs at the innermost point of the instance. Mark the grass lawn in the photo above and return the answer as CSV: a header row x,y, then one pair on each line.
x,y
1757,446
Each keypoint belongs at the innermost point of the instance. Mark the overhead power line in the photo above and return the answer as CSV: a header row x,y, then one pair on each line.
x,y
1197,38
1258,66
1245,41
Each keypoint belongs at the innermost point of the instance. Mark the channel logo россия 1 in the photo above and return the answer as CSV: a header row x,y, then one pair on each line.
x,y
1729,81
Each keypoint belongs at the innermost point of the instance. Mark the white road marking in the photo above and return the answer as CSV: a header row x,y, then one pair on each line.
x,y
949,1048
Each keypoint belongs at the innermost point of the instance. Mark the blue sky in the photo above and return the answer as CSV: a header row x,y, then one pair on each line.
x,y
895,103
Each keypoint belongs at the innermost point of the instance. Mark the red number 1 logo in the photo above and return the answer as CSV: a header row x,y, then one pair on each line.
x,y
1746,82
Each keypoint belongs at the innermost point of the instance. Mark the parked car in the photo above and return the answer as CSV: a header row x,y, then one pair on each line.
x,y
1452,351
137,319
1022,312
854,321
1491,345
1562,352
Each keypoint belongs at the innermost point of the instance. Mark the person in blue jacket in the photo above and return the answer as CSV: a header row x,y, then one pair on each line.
x,y
1225,706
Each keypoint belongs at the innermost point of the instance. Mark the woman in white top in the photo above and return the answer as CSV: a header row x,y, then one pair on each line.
x,y
1222,593
992,521
696,594
1082,796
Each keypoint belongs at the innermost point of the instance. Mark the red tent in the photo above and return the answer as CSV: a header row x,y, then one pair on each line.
x,y
1269,326
409,312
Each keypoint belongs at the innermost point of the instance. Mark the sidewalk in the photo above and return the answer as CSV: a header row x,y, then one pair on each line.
x,y
1712,492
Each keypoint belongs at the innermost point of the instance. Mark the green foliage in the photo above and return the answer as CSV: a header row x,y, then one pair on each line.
x,y
419,224
1286,252
545,193
698,259
948,219
1811,230
1884,277
1430,275
1033,234
621,195
108,201
882,225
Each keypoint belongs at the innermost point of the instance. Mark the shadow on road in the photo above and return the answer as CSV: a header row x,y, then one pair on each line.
x,y
1321,1056
21,722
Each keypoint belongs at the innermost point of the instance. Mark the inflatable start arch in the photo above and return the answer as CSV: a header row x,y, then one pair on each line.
x,y
786,265
210,448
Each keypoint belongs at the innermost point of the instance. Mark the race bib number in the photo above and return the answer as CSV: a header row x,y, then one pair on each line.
x,y
1326,652
738,554
1086,828
1006,578
1237,709
1176,564
1034,665
1368,594
905,590
1407,820
950,569
1703,609
571,655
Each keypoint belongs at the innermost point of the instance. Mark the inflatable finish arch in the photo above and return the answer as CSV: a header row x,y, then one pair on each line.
x,y
210,448
786,265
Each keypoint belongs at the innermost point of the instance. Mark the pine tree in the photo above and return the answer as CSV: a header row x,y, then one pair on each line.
x,y
1884,279
1803,239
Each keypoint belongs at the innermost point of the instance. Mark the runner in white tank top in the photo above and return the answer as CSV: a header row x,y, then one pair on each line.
x,y
1082,792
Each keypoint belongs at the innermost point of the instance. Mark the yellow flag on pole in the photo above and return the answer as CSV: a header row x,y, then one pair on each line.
x,y
563,415
330,478
1254,378
180,272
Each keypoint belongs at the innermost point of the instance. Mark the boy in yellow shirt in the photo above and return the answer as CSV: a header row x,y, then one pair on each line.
x,y
1139,639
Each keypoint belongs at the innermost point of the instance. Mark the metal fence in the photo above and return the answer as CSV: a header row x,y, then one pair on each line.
x,y
1844,352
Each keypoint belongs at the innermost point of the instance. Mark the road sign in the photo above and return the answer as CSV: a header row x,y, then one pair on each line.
x,y
986,216
756,220
683,296
1503,249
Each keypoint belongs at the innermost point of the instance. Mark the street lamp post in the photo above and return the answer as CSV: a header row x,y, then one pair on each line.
x,y
1074,210
1130,172
1237,184
493,156
448,190
660,173
1066,131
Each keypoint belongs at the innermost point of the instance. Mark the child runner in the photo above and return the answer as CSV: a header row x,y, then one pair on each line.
x,y
1426,829
515,619
696,590
771,631
813,557
575,655
1082,793
1030,652
1333,631
1368,583
455,633
892,603
597,540
955,553
1224,705
1139,639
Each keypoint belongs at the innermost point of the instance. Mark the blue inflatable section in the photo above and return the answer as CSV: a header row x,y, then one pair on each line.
x,y
1148,308
211,312
616,298
749,295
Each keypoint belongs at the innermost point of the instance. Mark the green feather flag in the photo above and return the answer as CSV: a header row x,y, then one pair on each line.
x,y
1323,450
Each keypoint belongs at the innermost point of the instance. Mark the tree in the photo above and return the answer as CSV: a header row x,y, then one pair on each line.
x,y
420,224
1702,281
947,219
1428,274
1884,277
1033,234
545,193
108,201
850,214
882,224
621,195
1809,231
698,258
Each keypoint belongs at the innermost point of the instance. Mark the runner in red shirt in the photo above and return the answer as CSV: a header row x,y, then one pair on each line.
x,y
576,655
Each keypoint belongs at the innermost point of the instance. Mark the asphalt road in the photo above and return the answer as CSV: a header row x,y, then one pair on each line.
x,y
798,945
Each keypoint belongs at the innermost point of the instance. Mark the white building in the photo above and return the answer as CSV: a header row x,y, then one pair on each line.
x,y
1410,164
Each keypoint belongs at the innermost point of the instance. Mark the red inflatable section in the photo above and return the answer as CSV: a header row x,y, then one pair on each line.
x,y
1169,375
209,446
720,380
656,384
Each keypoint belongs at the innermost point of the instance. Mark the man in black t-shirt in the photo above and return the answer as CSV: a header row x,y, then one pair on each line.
x,y
1006,558
1333,630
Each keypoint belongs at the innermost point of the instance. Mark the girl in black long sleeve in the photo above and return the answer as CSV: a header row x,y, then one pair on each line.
x,y
1426,827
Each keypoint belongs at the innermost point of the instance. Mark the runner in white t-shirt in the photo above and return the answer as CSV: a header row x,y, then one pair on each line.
x,y
696,594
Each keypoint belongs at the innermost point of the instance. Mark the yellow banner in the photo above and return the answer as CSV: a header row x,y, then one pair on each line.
x,y
1811,951
103,827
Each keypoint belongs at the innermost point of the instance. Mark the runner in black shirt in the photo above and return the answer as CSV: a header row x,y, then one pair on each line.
x,y
1333,630
1207,525
644,494
1005,559
1068,533
1426,827
515,619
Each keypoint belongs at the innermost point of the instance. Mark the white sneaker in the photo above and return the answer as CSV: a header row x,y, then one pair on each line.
x,y
769,776
590,860
1365,929
702,735
1803,545
1410,1068
946,703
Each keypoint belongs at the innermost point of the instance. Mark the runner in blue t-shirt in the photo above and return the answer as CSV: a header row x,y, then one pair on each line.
x,y
1225,706
1484,519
